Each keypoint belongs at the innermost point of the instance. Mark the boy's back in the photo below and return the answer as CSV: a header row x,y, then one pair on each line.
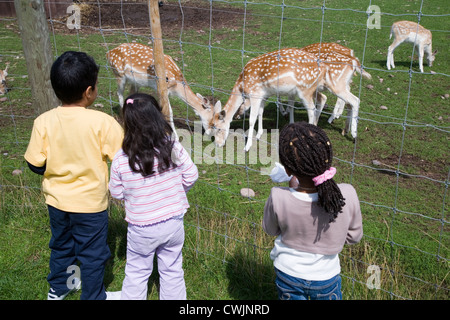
x,y
74,144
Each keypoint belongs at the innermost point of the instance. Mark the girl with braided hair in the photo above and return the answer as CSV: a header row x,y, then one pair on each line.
x,y
312,218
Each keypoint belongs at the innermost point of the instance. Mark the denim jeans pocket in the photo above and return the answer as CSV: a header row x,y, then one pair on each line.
x,y
332,292
292,288
284,291
288,288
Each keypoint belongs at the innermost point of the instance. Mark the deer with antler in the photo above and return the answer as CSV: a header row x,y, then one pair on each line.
x,y
291,72
411,32
133,63
3,75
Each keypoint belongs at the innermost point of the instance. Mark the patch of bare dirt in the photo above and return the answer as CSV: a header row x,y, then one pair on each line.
x,y
133,17
418,166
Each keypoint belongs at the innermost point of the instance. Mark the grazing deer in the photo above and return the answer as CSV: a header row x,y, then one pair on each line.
x,y
411,32
326,51
332,54
133,63
291,72
3,75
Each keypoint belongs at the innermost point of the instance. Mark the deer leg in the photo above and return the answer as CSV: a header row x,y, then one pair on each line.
x,y
260,121
255,105
284,111
120,89
420,53
134,88
338,110
390,58
321,99
352,118
348,121
172,124
291,109
310,109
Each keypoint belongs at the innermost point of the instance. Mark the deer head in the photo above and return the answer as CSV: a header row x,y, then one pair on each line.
x,y
3,75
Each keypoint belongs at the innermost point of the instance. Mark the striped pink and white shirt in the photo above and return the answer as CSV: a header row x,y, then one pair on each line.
x,y
155,198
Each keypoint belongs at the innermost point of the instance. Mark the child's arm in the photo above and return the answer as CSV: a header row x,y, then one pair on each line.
x,y
115,182
270,220
112,140
189,170
38,170
355,229
35,155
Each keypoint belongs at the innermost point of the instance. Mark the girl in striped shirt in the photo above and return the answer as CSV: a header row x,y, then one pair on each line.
x,y
152,174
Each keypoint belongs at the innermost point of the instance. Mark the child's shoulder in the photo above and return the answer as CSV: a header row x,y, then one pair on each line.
x,y
99,114
120,156
278,191
347,189
102,119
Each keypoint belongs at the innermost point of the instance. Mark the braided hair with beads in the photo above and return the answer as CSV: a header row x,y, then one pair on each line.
x,y
305,150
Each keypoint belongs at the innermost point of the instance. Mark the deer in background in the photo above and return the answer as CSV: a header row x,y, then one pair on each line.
x,y
337,57
331,53
291,72
133,63
3,75
411,32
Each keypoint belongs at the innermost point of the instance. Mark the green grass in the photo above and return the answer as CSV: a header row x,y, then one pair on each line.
x,y
226,253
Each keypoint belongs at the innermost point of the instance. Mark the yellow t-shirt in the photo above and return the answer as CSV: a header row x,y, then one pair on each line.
x,y
75,143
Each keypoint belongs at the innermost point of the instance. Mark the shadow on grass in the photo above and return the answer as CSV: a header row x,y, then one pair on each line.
x,y
249,279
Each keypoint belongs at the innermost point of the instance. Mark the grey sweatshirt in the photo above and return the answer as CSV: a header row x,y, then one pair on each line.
x,y
304,225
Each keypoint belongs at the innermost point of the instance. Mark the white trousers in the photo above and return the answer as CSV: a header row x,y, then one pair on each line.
x,y
165,239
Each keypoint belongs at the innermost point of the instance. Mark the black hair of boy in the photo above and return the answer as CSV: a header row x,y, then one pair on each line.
x,y
71,74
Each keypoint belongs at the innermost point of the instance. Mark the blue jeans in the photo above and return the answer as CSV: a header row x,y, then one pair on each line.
x,y
78,237
292,288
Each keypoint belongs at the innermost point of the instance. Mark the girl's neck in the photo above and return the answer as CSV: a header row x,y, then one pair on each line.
x,y
303,184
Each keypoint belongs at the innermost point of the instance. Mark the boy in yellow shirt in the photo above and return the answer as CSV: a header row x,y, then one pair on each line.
x,y
70,146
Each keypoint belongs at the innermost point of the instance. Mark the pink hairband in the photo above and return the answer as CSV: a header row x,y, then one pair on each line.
x,y
327,175
129,101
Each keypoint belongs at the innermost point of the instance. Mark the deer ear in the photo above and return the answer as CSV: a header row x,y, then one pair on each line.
x,y
217,107
222,114
201,97
205,102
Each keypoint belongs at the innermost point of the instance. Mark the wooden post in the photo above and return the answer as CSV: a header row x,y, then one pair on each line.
x,y
158,55
37,50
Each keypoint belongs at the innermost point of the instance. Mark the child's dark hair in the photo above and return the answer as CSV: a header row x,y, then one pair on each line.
x,y
71,74
305,150
147,135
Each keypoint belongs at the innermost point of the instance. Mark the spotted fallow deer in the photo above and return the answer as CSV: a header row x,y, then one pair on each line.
x,y
327,51
337,57
133,63
291,72
3,75
411,32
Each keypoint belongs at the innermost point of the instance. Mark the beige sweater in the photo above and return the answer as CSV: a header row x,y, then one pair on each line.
x,y
304,225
